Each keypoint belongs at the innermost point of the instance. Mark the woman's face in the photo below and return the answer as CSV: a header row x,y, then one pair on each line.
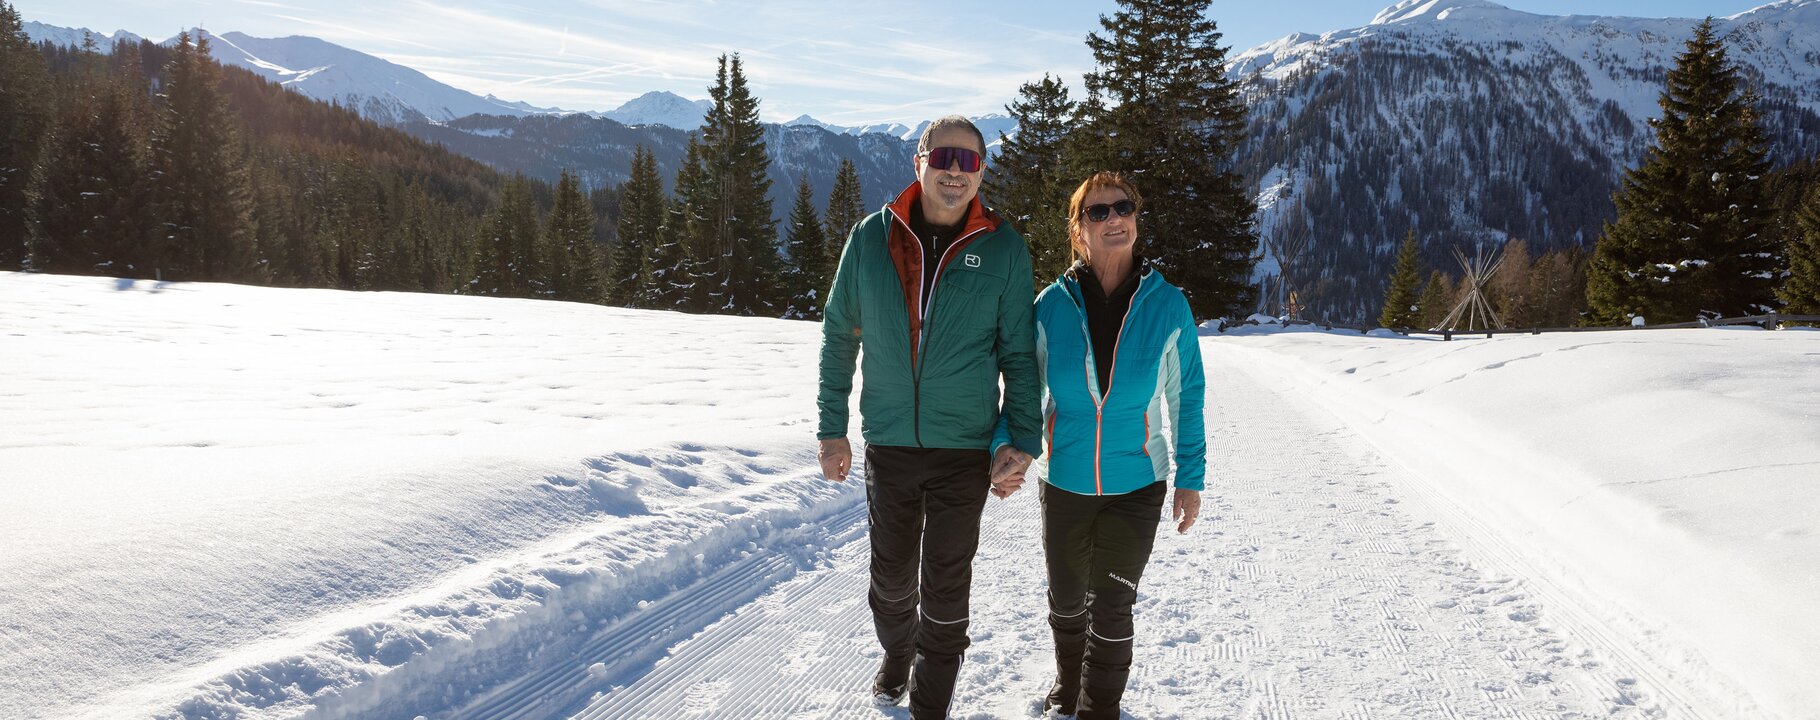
x,y
1116,235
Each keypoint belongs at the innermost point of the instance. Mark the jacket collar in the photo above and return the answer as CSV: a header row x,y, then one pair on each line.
x,y
978,217
1146,275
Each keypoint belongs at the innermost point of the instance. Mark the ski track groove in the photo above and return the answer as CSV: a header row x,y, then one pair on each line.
x,y
1318,585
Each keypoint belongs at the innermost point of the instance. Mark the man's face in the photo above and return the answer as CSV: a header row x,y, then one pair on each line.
x,y
950,188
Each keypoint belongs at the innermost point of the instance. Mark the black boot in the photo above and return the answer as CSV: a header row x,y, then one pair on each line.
x,y
892,681
1070,634
932,685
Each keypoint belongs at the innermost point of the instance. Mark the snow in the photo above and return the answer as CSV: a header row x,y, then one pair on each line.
x,y
226,501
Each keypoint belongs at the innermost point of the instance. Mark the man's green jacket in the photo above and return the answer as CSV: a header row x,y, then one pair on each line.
x,y
932,380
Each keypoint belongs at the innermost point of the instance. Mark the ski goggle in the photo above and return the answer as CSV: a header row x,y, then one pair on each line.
x,y
1099,213
942,158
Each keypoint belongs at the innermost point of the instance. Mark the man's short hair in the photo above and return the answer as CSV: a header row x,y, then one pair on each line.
x,y
944,123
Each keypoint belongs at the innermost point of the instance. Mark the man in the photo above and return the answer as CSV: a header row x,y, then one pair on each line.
x,y
937,289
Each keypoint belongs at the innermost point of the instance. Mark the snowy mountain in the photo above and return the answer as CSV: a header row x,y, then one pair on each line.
x,y
379,90
74,37
600,151
1472,122
660,108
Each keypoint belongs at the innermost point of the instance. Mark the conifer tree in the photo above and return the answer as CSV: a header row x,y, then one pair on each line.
x,y
641,217
1691,232
25,115
1400,302
1510,289
671,279
1029,181
808,275
846,207
92,210
1437,300
569,234
198,164
507,264
732,238
1801,292
1161,109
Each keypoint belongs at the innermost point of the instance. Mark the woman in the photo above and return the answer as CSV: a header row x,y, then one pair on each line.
x,y
1117,348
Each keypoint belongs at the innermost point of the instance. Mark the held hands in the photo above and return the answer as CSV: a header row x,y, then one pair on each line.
x,y
1185,509
836,456
1008,467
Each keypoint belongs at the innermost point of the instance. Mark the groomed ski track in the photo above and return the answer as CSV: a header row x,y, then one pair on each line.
x,y
1323,582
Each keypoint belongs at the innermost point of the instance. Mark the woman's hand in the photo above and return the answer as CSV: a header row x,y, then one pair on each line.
x,y
1185,509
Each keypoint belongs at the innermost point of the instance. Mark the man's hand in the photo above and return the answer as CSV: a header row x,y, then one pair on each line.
x,y
837,458
1008,468
1185,509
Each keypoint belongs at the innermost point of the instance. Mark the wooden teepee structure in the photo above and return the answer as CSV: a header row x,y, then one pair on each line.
x,y
1473,307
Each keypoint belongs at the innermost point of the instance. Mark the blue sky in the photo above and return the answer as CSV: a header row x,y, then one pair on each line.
x,y
847,63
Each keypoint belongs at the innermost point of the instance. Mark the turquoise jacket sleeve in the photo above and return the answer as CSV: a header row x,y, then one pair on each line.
x,y
840,344
1186,390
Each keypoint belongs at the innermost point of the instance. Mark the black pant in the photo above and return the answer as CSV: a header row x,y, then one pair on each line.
x,y
924,506
1097,547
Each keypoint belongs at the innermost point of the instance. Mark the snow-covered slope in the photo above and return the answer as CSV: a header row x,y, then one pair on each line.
x,y
225,501
379,90
74,37
1470,121
660,108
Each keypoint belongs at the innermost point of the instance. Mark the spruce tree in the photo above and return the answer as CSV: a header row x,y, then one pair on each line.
x,y
846,207
1029,181
1400,304
1801,292
808,275
569,234
1691,232
1437,300
1161,109
641,217
671,279
25,116
91,205
507,264
198,164
732,239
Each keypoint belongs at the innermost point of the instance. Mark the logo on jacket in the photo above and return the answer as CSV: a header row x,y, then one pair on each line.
x,y
973,260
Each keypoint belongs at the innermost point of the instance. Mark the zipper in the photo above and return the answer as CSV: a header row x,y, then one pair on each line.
x,y
922,339
1099,401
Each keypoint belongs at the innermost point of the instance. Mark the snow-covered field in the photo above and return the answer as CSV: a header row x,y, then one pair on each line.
x,y
224,501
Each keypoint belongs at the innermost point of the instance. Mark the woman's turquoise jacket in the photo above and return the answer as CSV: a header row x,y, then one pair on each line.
x,y
1107,441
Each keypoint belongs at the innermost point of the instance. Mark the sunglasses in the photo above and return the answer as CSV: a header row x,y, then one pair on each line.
x,y
942,158
1099,213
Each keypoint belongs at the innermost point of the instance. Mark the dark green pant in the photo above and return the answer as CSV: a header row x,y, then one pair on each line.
x,y
1097,547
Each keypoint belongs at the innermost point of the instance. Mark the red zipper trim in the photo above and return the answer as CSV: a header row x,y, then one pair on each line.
x,y
1099,408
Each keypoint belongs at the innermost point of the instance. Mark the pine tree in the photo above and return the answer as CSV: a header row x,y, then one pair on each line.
x,y
846,207
1438,299
1400,304
732,239
1161,108
91,206
808,275
1510,288
1801,292
569,234
641,217
25,116
1690,237
507,264
671,279
198,169
1029,183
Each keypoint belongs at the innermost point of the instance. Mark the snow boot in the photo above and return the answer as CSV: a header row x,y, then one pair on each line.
x,y
892,682
1070,632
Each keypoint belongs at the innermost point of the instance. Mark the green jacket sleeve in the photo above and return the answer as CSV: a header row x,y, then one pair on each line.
x,y
1022,411
840,343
